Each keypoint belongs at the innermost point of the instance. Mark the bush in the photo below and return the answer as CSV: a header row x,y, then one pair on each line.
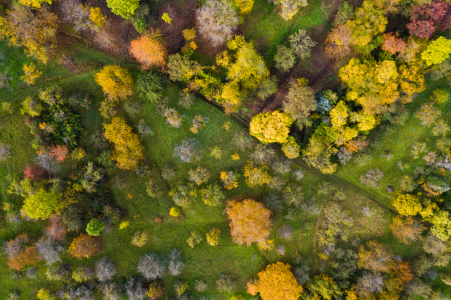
x,y
151,266
186,99
213,237
194,239
105,269
199,175
135,289
225,284
95,227
139,239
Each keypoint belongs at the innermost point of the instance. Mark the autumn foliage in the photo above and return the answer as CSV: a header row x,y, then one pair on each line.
x,y
116,82
85,246
128,150
428,18
271,127
59,153
277,282
35,173
20,253
407,229
56,230
250,222
148,51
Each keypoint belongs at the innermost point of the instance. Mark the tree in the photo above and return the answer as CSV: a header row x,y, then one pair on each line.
x,y
393,44
19,253
105,269
407,230
216,20
426,18
428,114
31,74
148,51
44,294
323,286
301,44
271,127
256,175
437,51
369,21
82,274
212,195
34,4
245,6
116,82
83,17
213,237
149,86
267,87
290,148
35,173
124,8
407,205
369,284
339,41
41,204
34,31
85,246
188,150
59,153
56,231
344,13
318,153
374,257
181,68
277,282
284,58
96,17
128,150
372,177
95,227
151,266
139,239
300,100
290,7
249,221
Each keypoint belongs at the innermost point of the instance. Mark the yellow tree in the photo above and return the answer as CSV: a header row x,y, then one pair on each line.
x,y
277,282
116,82
148,51
250,222
31,74
271,127
374,257
407,205
128,150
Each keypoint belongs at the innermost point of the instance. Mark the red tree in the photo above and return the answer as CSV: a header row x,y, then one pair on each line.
x,y
35,173
59,153
426,19
56,230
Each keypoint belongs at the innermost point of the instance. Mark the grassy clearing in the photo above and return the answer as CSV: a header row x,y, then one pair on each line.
x,y
398,140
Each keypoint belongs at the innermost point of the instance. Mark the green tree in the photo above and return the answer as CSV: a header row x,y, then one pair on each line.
x,y
149,86
300,101
181,68
41,204
284,58
95,227
325,287
123,8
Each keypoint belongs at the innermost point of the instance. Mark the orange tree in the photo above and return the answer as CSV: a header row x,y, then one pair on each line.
x,y
85,246
128,150
148,51
116,82
277,282
249,221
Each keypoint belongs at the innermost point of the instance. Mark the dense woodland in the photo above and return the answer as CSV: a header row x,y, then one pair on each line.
x,y
225,149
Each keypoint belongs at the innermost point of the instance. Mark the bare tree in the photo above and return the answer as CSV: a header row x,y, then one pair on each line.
x,y
286,232
4,152
369,284
176,264
217,19
188,150
151,266
105,269
262,154
49,250
135,289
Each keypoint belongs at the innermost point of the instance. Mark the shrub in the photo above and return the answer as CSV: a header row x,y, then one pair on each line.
x,y
199,175
284,58
212,195
84,246
44,294
116,82
31,74
198,123
82,274
249,221
271,127
225,284
277,282
95,227
301,44
180,288
105,269
139,239
229,179
151,266
199,285
124,8
217,20
213,237
174,211
149,86
286,232
293,194
155,291
194,239
148,51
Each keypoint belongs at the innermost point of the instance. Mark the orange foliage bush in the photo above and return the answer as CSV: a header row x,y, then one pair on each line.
x,y
59,153
277,282
85,246
249,221
148,51
56,230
